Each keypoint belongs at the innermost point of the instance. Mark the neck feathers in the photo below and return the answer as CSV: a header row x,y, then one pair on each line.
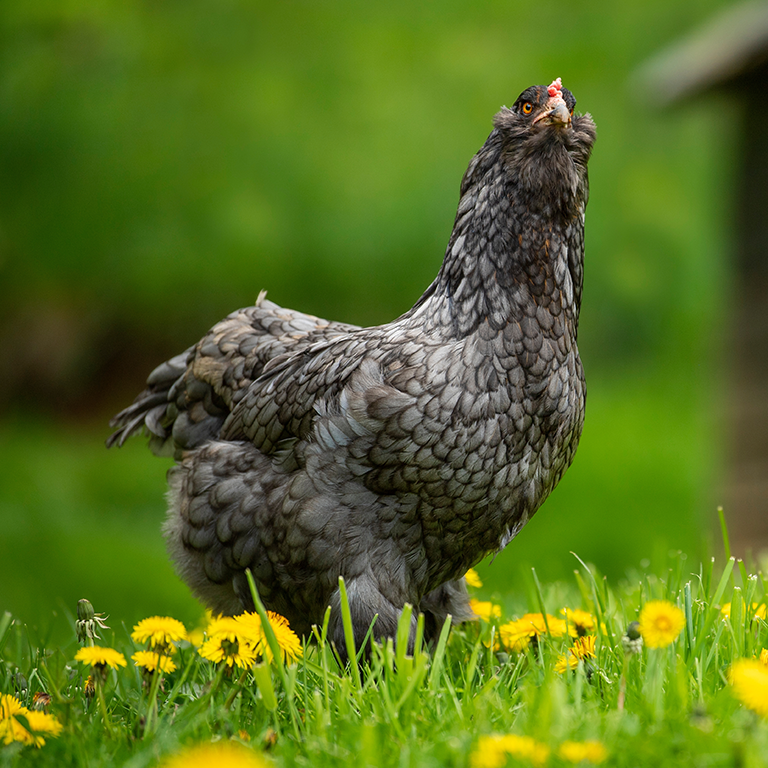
x,y
518,237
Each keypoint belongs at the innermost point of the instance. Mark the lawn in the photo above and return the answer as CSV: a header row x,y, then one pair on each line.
x,y
534,684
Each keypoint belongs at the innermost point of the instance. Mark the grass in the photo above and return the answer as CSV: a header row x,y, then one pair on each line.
x,y
670,705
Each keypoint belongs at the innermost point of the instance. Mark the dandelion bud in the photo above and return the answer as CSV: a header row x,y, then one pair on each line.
x,y
41,701
89,689
632,641
270,738
21,683
88,621
85,610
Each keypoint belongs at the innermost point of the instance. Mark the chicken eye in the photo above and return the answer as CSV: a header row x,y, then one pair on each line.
x,y
527,108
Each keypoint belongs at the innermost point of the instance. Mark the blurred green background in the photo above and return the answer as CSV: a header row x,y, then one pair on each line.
x,y
161,162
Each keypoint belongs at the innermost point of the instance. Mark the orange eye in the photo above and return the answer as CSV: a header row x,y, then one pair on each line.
x,y
527,108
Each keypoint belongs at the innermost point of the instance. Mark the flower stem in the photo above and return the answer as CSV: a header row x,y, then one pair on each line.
x,y
236,688
150,724
103,708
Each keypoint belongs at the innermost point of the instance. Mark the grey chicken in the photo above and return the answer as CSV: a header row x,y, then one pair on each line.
x,y
395,456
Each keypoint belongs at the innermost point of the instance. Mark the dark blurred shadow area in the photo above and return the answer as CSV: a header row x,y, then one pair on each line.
x,y
164,162
726,60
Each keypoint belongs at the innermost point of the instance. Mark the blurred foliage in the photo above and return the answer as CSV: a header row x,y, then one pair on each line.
x,y
161,162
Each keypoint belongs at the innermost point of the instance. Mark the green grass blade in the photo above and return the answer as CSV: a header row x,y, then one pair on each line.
x,y
724,531
6,622
713,611
540,599
403,634
439,655
274,646
349,635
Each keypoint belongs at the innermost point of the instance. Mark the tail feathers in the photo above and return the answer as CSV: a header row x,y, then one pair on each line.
x,y
149,411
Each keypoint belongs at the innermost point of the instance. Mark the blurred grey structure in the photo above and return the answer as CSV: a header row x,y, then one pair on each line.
x,y
729,56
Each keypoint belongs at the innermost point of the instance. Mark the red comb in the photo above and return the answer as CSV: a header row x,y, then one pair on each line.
x,y
554,88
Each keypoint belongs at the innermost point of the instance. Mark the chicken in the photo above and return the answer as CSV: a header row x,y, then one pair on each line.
x,y
395,456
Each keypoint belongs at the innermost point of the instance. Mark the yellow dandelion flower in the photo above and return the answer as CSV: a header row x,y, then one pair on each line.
x,y
225,626
41,725
231,652
222,754
485,609
151,661
584,647
764,657
10,728
10,706
159,631
100,657
287,639
565,662
660,623
38,724
515,635
583,751
579,622
759,611
228,643
472,579
749,681
492,751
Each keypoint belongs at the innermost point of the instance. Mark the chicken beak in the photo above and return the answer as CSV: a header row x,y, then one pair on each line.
x,y
558,115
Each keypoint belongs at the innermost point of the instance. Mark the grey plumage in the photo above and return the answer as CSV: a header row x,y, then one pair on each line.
x,y
396,456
